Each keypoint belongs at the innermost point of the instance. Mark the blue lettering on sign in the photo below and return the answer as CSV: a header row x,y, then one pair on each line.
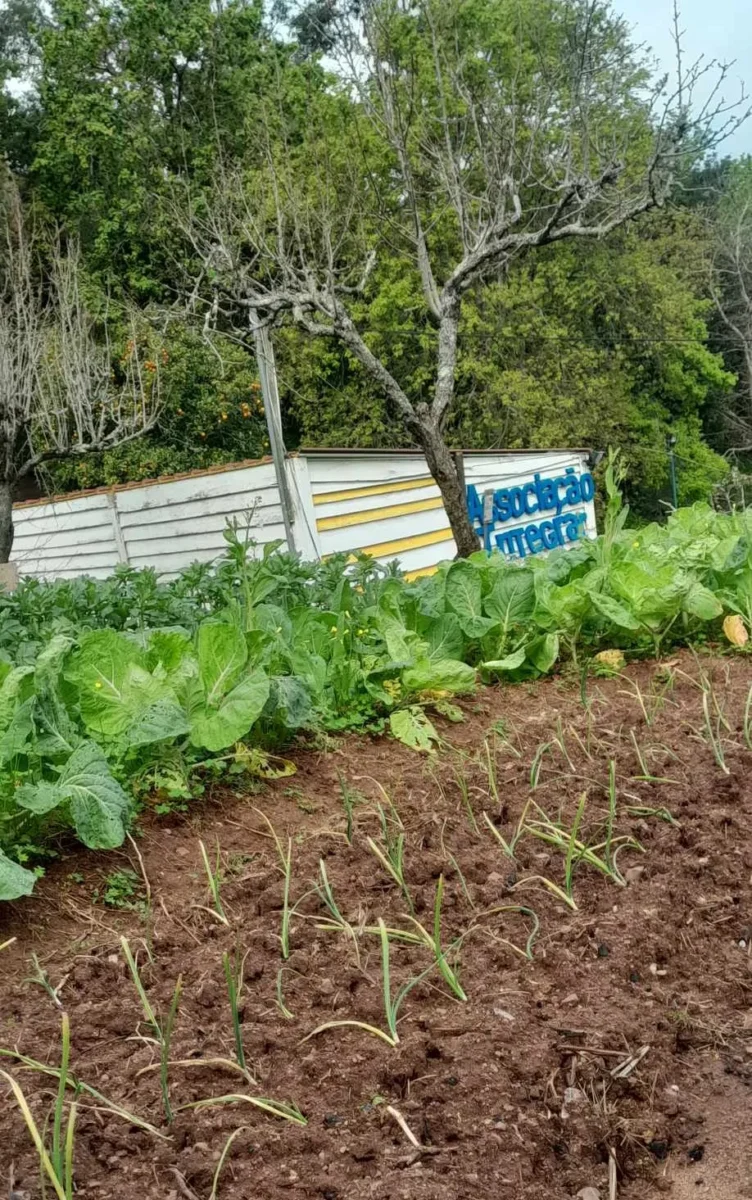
x,y
540,496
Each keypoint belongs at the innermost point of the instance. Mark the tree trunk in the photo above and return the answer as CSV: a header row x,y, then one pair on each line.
x,y
442,467
6,520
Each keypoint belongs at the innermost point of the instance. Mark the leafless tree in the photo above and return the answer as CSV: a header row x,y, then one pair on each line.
x,y
59,396
732,290
463,144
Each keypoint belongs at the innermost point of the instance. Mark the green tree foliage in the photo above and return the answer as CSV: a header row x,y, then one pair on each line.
x,y
131,94
586,344
212,413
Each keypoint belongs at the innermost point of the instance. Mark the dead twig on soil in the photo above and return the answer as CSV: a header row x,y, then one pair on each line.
x,y
625,1068
393,1112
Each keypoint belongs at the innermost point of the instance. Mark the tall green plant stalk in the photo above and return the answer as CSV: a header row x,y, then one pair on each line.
x,y
433,941
391,855
285,862
214,878
162,1031
57,1163
392,1004
233,978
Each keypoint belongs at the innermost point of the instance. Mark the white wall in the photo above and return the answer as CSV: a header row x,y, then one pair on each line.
x,y
387,504
384,503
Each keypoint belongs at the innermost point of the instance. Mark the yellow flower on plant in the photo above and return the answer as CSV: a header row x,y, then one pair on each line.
x,y
334,629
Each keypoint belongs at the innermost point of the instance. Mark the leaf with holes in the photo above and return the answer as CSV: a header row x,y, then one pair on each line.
x,y
412,727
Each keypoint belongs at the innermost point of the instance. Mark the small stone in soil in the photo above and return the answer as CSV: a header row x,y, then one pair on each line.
x,y
588,1193
697,1153
332,1119
659,1150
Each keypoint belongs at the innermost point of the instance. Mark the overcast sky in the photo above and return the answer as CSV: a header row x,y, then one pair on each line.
x,y
720,29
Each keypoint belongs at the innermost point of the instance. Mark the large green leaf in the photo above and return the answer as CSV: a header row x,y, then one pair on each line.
x,y
16,687
439,675
56,734
463,591
15,880
445,638
14,740
111,680
168,649
399,640
98,803
222,654
218,728
160,722
412,727
512,598
616,613
543,652
512,662
702,603
39,797
291,700
50,660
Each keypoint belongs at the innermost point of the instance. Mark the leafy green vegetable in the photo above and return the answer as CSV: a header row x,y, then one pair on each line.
x,y
15,880
219,727
412,727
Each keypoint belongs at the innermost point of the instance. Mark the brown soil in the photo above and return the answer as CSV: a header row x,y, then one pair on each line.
x,y
509,1095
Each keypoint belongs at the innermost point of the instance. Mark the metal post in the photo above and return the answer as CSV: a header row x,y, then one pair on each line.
x,y
268,377
672,465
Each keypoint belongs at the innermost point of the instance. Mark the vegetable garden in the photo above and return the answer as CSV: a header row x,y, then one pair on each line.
x,y
346,815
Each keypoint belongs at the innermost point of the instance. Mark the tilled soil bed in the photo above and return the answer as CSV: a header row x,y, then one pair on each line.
x,y
623,1046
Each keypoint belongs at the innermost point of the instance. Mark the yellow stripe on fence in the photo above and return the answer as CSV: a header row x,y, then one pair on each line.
x,y
377,514
411,575
375,489
400,545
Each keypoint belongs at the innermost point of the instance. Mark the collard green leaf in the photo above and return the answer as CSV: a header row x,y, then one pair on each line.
x,y
15,880
49,661
222,654
162,721
543,652
700,602
444,637
618,614
512,598
412,727
40,797
56,734
218,728
98,803
463,591
111,681
510,663
291,701
168,648
15,738
439,675
17,687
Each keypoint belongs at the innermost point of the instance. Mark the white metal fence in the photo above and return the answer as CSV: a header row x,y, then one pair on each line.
x,y
382,502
